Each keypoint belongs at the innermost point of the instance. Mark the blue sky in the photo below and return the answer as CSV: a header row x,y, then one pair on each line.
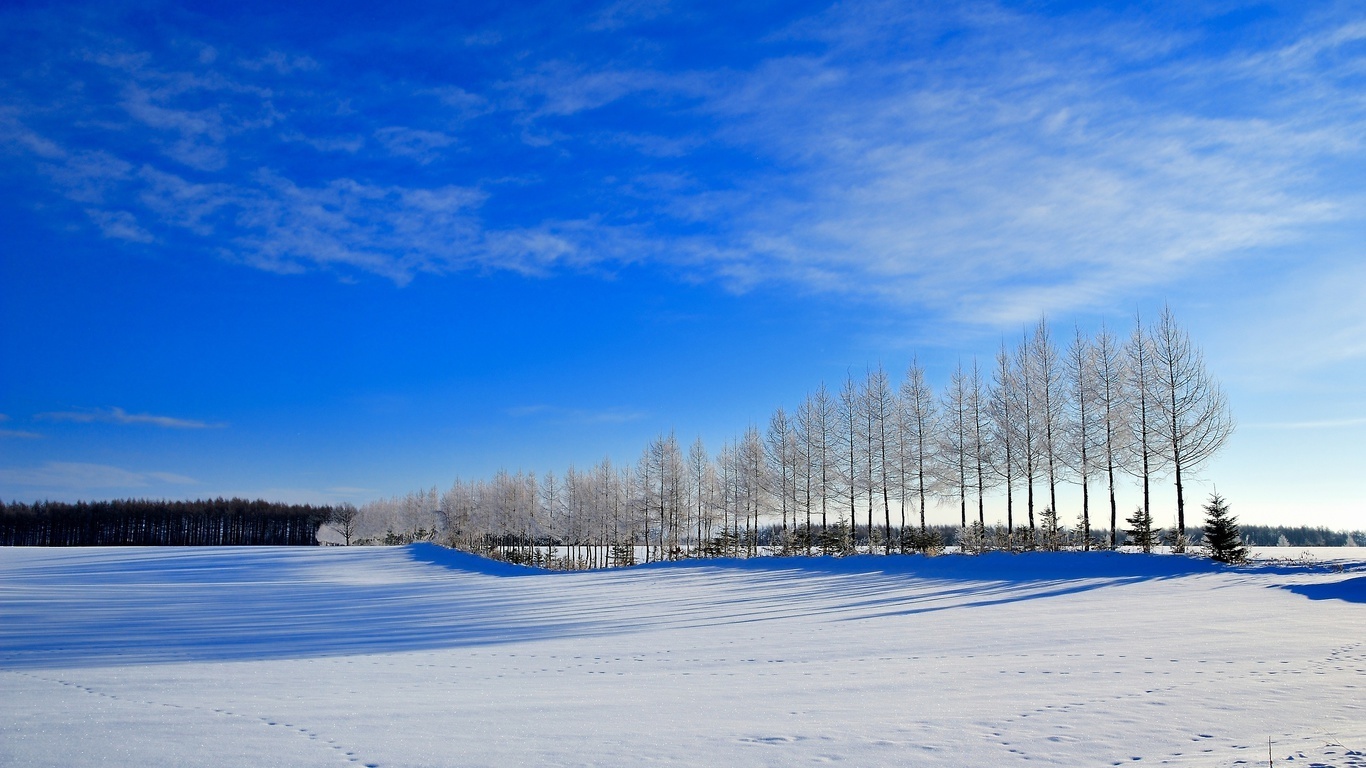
x,y
318,252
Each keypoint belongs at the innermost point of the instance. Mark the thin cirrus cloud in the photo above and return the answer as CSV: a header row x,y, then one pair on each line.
x,y
576,416
120,416
981,161
18,434
422,146
1040,176
1312,425
78,476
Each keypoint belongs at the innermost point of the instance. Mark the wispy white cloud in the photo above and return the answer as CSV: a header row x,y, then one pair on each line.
x,y
559,89
120,416
561,415
388,230
120,225
19,434
79,476
281,62
465,103
1022,173
985,162
16,433
622,13
422,146
1311,425
344,144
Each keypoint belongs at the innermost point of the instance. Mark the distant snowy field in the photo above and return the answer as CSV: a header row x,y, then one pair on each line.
x,y
417,656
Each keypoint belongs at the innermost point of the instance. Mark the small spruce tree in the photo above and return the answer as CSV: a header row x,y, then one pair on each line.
x,y
1178,540
973,539
927,542
1052,534
1002,539
836,540
1222,539
1141,532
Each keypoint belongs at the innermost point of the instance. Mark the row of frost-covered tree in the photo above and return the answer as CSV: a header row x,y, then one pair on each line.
x,y
855,467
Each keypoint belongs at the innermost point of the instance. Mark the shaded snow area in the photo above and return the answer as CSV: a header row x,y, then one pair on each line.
x,y
418,656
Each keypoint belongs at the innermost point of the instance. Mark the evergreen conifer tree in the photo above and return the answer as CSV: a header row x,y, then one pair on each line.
x,y
973,539
1004,539
1050,532
1178,540
1141,532
926,541
1223,541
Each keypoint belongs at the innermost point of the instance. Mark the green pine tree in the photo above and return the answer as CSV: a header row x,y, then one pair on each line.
x,y
1223,541
835,540
926,542
973,539
1141,532
1051,539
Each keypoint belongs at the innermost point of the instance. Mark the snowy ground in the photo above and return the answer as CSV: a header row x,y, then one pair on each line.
x,y
416,656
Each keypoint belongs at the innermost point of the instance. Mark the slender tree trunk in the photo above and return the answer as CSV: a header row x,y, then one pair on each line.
x,y
1114,510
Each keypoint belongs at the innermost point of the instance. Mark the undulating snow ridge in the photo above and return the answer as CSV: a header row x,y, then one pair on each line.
x,y
415,656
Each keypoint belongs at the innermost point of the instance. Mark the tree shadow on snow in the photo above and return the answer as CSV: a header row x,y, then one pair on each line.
x,y
132,606
1350,590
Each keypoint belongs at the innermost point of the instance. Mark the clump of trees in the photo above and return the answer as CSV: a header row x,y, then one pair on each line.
x,y
853,470
204,522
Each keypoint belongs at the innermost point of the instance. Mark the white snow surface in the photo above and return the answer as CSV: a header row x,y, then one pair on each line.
x,y
420,656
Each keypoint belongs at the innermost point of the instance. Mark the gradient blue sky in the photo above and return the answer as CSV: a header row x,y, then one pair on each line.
x,y
322,252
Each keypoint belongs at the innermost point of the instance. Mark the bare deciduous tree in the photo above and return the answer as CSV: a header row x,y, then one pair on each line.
x,y
1046,376
1086,421
751,455
1195,420
851,459
1142,422
981,445
780,457
344,520
701,491
820,423
918,429
955,442
880,419
1112,402
1027,420
1006,428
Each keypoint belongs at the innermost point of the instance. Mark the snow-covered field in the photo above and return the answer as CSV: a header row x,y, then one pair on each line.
x,y
417,656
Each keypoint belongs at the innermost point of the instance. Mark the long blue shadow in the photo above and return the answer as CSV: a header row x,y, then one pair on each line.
x,y
454,559
1350,590
130,606
141,606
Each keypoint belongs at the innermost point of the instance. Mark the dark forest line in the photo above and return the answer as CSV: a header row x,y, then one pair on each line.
x,y
1299,536
152,522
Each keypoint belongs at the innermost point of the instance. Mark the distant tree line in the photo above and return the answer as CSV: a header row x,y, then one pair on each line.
x,y
853,469
164,523
1299,536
